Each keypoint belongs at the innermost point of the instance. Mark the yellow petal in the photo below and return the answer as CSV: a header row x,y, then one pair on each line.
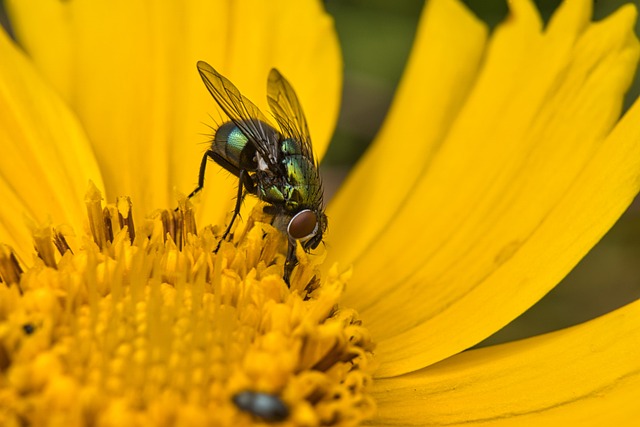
x,y
129,70
524,183
46,160
439,75
587,375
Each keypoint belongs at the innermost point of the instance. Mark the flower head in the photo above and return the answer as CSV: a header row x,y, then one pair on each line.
x,y
153,327
521,164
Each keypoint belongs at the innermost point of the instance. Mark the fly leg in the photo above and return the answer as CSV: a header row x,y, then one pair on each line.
x,y
244,182
290,262
239,199
203,166
210,154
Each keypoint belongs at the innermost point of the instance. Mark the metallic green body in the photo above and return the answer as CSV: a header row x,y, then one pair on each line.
x,y
299,182
275,164
233,145
302,181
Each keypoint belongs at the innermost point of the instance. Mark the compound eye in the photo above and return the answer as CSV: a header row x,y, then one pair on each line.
x,y
303,226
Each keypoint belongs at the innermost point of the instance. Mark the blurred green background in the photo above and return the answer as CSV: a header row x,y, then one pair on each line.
x,y
376,38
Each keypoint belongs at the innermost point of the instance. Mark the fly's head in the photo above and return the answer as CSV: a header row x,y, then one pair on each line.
x,y
308,227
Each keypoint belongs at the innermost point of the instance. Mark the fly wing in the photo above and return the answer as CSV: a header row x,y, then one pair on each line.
x,y
241,111
287,111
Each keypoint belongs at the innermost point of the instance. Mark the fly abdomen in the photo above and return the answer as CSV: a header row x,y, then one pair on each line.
x,y
233,146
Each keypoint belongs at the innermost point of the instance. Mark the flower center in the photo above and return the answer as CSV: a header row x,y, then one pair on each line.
x,y
146,325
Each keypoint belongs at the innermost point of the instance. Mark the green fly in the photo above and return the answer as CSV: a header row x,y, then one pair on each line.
x,y
275,165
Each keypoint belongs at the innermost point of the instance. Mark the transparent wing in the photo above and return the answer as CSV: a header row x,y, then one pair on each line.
x,y
241,111
287,111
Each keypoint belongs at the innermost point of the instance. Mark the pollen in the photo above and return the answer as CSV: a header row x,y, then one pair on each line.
x,y
146,324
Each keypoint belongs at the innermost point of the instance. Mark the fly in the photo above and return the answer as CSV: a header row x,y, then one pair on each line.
x,y
265,406
275,165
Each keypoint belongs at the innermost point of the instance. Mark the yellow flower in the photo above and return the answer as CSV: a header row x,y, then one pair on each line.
x,y
502,162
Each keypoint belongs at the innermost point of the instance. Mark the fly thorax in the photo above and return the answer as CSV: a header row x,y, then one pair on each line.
x,y
262,164
293,197
290,147
302,178
297,169
271,194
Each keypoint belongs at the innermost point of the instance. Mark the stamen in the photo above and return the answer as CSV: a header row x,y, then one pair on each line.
x,y
93,201
10,270
125,216
108,224
61,242
43,243
154,326
179,223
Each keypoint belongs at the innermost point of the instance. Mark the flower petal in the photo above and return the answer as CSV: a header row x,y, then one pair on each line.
x,y
524,183
129,70
46,160
587,375
440,73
